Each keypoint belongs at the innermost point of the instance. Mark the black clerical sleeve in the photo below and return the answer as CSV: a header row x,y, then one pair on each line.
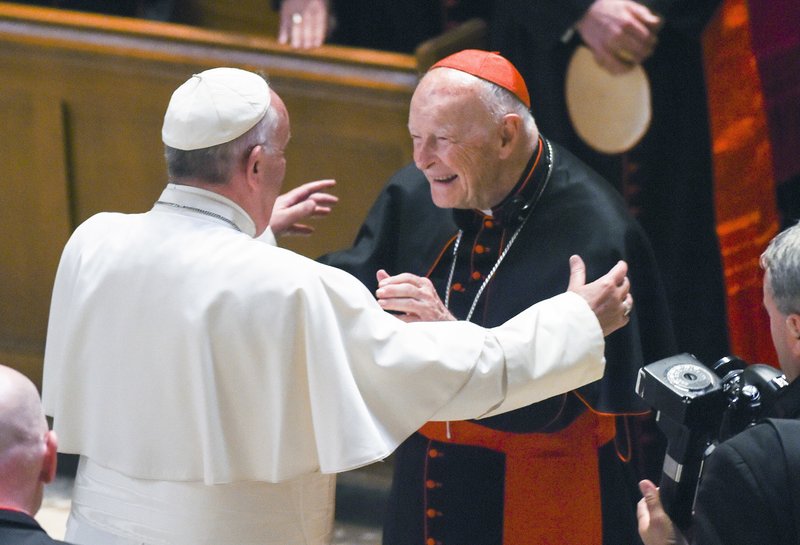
x,y
403,232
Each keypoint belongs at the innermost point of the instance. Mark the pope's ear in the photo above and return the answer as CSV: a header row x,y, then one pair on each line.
x,y
253,159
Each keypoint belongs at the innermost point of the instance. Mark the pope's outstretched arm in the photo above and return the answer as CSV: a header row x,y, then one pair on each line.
x,y
414,298
552,347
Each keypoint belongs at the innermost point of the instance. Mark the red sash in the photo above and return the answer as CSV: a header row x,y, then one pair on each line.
x,y
552,482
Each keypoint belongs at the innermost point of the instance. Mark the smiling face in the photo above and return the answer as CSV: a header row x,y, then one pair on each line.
x,y
457,143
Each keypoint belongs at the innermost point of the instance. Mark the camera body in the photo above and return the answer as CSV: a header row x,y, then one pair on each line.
x,y
697,408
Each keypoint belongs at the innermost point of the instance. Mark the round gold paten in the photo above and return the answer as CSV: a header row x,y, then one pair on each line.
x,y
611,113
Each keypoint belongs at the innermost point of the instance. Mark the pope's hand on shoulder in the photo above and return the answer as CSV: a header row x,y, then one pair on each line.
x,y
412,298
620,33
309,200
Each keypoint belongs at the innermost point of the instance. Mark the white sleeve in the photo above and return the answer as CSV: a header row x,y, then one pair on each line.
x,y
551,348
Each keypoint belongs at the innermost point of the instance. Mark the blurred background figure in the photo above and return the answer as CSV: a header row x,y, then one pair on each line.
x,y
377,24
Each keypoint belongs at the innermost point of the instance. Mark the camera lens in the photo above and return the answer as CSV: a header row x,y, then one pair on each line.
x,y
689,377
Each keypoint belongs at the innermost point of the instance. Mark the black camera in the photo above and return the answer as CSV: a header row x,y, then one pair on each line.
x,y
697,408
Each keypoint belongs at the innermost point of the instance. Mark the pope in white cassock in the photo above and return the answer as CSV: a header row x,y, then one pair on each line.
x,y
213,383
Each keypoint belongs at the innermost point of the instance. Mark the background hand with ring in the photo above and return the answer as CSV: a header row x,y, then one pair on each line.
x,y
304,23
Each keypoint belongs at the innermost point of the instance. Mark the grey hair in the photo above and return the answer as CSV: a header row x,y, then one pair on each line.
x,y
781,261
499,101
216,164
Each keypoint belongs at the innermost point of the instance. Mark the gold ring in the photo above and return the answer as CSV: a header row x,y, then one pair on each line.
x,y
626,56
628,307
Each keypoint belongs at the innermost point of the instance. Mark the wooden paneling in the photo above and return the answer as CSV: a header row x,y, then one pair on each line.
x,y
81,102
34,221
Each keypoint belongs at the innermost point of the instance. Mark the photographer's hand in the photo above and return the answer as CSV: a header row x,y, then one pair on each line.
x,y
655,527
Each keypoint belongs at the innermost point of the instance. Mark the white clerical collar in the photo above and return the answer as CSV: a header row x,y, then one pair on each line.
x,y
195,200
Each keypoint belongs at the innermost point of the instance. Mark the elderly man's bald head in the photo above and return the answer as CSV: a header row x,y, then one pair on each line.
x,y
22,421
497,100
27,448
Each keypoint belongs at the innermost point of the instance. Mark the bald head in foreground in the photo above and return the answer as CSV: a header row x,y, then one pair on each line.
x,y
27,459
213,383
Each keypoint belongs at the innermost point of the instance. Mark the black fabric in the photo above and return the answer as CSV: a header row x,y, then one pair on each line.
x,y
160,10
669,178
789,435
463,480
751,482
118,7
400,26
386,24
578,213
19,529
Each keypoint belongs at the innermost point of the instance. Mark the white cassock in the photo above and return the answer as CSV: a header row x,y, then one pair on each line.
x,y
212,383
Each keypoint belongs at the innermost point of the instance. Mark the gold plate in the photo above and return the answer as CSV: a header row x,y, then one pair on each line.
x,y
611,113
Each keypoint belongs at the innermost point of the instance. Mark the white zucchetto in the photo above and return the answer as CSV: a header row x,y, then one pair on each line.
x,y
214,107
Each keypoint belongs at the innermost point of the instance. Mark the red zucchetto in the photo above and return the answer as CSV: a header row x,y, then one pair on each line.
x,y
490,66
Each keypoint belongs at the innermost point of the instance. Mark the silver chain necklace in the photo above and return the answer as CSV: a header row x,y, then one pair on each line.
x,y
502,254
201,211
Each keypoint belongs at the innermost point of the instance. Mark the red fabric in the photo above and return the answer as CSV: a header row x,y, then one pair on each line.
x,y
547,474
489,66
743,175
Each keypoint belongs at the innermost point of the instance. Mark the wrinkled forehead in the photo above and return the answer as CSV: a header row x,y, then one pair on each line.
x,y
446,82
447,95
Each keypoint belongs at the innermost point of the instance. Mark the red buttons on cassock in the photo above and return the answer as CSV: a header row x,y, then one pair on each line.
x,y
433,453
432,484
457,286
476,275
489,224
479,249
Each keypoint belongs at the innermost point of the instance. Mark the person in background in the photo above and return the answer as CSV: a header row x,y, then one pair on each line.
x,y
749,491
213,384
27,460
667,179
479,227
376,24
